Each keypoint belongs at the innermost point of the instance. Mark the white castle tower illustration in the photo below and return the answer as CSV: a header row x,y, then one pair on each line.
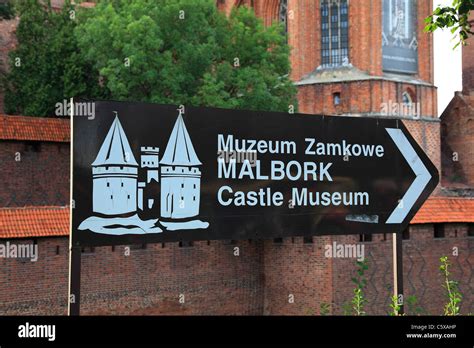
x,y
170,187
180,176
149,163
114,175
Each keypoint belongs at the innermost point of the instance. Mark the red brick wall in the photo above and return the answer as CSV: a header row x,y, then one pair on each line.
x,y
362,97
422,277
457,123
425,43
150,281
267,10
303,271
34,173
35,288
298,277
259,281
365,35
427,135
304,37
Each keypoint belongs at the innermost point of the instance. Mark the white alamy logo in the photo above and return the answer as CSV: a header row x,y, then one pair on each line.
x,y
117,191
336,250
37,331
21,251
77,109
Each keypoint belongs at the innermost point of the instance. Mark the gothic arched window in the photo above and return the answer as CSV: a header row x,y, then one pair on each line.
x,y
407,99
334,33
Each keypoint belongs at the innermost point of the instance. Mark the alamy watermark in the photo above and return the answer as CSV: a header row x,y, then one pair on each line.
x,y
336,250
28,330
400,109
82,109
19,251
238,156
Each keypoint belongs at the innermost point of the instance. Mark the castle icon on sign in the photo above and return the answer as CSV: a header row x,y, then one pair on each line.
x,y
124,191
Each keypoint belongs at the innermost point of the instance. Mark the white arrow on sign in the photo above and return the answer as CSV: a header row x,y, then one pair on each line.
x,y
418,185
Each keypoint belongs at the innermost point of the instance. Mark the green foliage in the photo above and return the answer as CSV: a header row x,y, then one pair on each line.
x,y
346,308
46,67
161,51
6,10
358,300
395,306
187,52
412,306
324,308
454,17
452,289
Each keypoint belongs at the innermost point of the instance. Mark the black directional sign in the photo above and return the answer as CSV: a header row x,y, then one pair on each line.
x,y
158,173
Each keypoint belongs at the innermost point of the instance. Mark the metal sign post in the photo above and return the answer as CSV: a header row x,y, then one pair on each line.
x,y
74,294
74,286
398,271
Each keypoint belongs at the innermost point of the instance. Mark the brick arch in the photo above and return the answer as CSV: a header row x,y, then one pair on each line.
x,y
238,3
412,94
267,10
271,11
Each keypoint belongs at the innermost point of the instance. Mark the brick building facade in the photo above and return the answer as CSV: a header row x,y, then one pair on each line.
x,y
457,128
291,276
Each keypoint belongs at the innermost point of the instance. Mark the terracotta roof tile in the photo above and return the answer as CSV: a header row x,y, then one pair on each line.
x,y
445,209
34,128
30,222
